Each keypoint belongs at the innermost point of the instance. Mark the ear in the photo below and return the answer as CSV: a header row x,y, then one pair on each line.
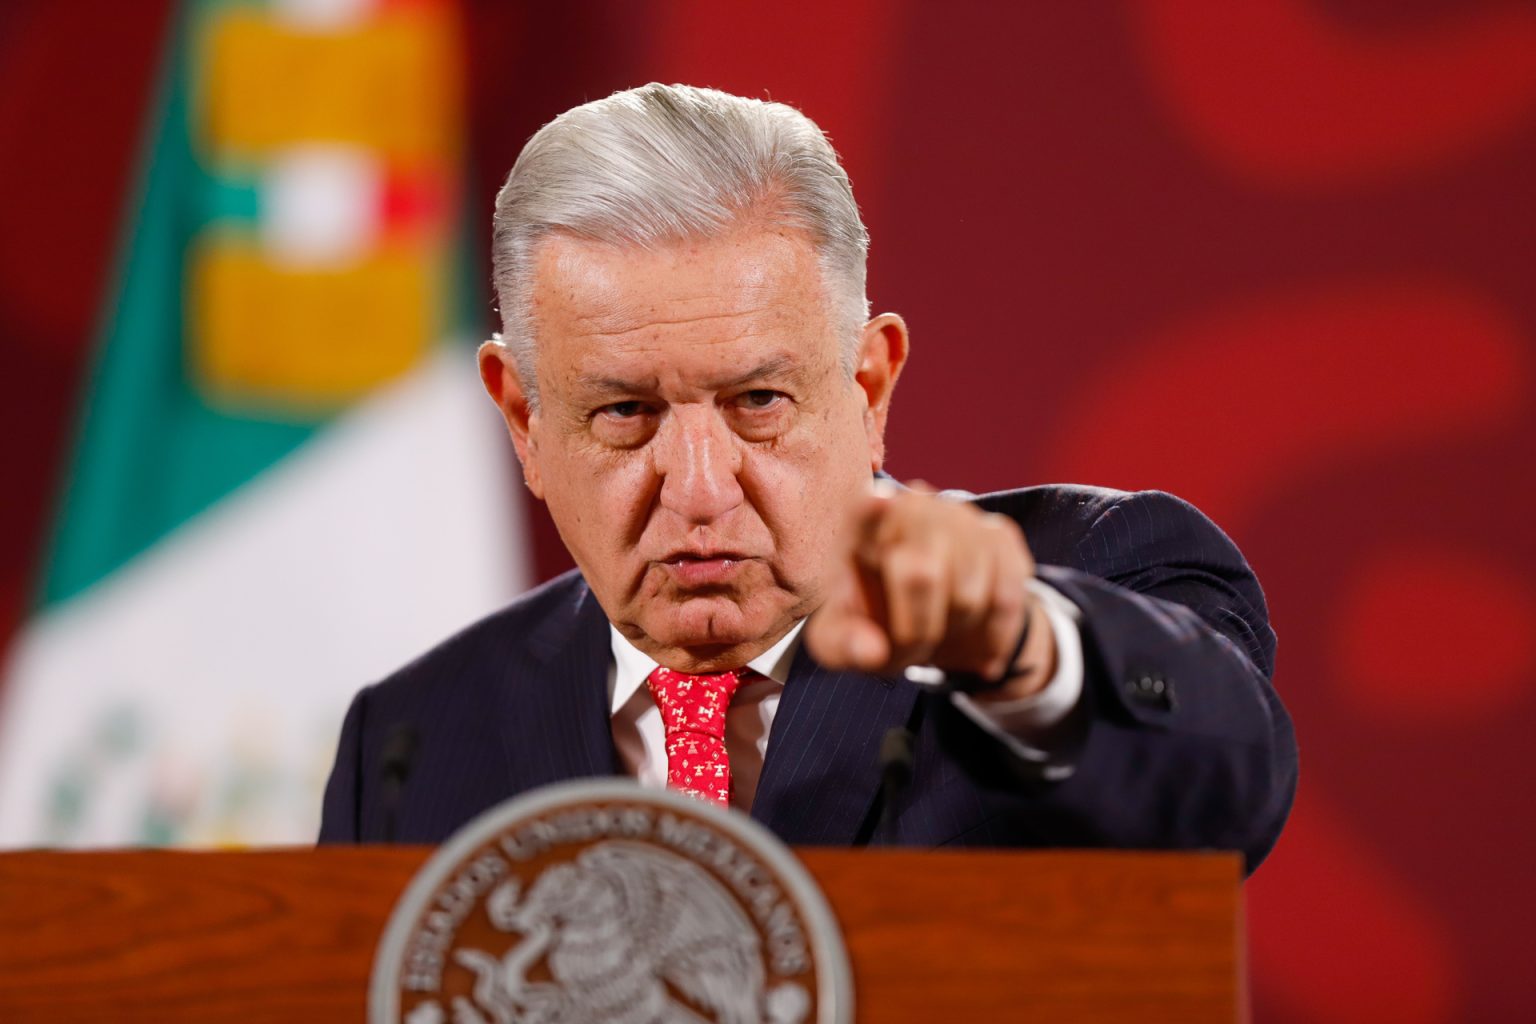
x,y
498,372
882,353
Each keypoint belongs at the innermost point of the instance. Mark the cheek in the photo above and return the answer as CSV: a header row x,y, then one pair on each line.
x,y
805,493
598,502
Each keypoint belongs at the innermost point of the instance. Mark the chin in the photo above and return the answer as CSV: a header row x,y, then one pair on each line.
x,y
714,621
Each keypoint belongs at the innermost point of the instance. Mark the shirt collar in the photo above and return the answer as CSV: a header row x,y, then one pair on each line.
x,y
633,667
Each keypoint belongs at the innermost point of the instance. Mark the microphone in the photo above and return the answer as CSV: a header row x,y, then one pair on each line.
x,y
395,763
895,773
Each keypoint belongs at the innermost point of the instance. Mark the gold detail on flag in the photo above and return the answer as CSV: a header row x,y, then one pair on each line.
x,y
387,85
307,341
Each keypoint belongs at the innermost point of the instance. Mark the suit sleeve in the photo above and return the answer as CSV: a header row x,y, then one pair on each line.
x,y
1186,742
341,812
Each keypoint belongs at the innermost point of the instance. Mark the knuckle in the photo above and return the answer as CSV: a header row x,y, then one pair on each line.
x,y
918,569
925,574
1010,600
996,522
1004,529
970,599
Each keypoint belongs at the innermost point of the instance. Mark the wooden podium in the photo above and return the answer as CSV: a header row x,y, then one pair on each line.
x,y
289,935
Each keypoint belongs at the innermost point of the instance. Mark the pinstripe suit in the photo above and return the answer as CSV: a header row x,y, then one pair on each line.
x,y
1180,741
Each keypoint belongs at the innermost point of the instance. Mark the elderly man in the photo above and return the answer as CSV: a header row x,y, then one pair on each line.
x,y
694,386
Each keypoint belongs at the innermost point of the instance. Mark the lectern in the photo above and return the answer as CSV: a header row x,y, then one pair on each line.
x,y
289,935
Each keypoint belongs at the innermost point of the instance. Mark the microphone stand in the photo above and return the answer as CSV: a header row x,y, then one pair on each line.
x,y
895,774
395,763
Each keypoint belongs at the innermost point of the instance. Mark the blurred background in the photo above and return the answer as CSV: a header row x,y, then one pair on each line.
x,y
1275,256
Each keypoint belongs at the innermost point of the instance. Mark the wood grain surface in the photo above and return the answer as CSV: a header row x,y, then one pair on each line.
x,y
289,935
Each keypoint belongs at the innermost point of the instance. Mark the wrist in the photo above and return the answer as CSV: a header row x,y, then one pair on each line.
x,y
1035,664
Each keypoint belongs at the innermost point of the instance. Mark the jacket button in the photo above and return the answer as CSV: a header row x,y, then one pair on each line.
x,y
1151,690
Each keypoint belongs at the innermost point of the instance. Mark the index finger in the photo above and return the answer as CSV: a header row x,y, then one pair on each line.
x,y
843,633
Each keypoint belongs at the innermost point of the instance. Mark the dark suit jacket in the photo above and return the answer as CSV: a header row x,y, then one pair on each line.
x,y
1180,741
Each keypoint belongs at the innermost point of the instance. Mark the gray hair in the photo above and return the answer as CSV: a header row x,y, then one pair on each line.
x,y
665,162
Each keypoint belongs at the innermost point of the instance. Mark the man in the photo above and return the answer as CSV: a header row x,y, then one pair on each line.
x,y
694,386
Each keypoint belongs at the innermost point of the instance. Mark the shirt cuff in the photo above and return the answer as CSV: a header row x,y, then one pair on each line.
x,y
1028,726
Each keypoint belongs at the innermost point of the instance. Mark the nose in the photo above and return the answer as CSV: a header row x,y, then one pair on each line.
x,y
698,459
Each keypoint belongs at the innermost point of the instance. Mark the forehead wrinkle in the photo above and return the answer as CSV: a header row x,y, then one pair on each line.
x,y
609,302
780,366
606,320
639,316
595,385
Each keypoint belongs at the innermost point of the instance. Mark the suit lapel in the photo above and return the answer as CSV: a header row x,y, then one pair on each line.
x,y
822,773
556,699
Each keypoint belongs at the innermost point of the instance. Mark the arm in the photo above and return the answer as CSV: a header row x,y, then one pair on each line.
x,y
1177,739
1039,728
1180,717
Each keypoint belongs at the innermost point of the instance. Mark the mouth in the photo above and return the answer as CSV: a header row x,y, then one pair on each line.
x,y
703,568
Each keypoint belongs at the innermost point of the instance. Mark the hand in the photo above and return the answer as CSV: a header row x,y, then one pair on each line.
x,y
921,580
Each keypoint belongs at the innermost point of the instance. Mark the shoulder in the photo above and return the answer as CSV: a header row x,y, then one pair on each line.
x,y
1107,530
1069,506
536,623
1150,542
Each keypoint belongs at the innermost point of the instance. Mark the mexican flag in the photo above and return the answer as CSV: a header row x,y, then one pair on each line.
x,y
285,481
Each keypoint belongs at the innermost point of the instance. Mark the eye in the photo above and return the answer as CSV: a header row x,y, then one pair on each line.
x,y
625,410
760,399
626,424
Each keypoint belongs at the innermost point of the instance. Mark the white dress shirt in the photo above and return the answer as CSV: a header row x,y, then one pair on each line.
x,y
1026,726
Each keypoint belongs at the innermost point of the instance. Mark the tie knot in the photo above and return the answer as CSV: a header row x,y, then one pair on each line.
x,y
694,703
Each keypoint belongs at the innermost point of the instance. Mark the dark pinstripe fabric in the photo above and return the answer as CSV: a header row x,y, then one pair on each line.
x,y
519,700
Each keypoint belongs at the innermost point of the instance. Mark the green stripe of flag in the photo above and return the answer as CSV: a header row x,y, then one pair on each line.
x,y
150,453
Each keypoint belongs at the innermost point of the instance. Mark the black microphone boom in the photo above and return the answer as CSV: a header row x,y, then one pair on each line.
x,y
895,773
395,763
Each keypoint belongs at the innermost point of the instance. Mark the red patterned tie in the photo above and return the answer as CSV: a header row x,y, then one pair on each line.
x,y
693,711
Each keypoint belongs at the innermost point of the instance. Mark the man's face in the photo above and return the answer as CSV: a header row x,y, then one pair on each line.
x,y
697,441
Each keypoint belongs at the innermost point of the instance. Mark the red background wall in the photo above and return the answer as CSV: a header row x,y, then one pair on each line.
x,y
1274,255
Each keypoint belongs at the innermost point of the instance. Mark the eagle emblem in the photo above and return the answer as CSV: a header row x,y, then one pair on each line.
x,y
601,901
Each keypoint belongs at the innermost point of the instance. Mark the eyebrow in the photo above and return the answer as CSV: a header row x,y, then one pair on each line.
x,y
781,365
778,366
